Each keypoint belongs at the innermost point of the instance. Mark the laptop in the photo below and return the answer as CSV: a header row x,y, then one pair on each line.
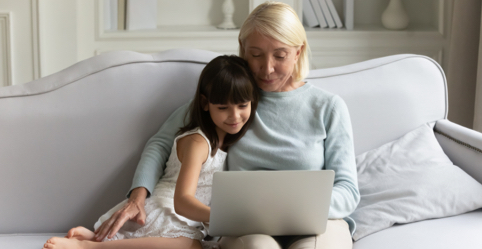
x,y
270,202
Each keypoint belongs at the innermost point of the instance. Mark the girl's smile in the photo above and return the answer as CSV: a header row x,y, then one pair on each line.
x,y
229,118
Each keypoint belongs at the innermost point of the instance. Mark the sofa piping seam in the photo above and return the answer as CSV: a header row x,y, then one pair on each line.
x,y
459,142
97,71
376,66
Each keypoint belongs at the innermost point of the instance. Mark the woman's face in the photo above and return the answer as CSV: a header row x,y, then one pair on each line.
x,y
272,62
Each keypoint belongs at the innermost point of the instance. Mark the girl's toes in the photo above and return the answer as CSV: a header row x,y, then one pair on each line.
x,y
50,243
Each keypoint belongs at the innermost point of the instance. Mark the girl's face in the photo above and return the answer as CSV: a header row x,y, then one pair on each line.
x,y
229,118
271,61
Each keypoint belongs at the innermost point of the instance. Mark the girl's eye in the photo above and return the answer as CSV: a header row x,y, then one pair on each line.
x,y
244,105
255,55
222,108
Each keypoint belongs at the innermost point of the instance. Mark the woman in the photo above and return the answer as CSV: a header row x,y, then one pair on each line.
x,y
297,127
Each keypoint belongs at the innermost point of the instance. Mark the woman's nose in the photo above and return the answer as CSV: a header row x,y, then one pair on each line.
x,y
268,66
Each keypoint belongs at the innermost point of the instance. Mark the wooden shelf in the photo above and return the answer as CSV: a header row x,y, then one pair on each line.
x,y
170,32
330,47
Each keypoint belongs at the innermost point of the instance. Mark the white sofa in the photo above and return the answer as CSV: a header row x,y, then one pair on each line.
x,y
70,142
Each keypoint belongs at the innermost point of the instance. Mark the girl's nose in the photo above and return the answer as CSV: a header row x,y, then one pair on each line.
x,y
234,113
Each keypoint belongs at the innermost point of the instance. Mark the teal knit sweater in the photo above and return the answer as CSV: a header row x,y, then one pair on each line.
x,y
304,129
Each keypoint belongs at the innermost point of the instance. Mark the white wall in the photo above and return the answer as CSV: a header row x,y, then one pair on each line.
x,y
22,60
58,35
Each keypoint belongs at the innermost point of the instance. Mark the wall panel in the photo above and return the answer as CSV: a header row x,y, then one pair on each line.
x,y
5,50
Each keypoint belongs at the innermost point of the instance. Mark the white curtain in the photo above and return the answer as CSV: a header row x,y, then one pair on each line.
x,y
478,91
462,61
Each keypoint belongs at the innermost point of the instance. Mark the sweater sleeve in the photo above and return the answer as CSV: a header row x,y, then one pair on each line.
x,y
340,157
157,151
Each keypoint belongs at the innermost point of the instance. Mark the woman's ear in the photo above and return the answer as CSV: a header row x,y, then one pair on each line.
x,y
298,52
240,44
204,103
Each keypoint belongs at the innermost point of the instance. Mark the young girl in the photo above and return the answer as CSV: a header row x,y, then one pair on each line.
x,y
222,109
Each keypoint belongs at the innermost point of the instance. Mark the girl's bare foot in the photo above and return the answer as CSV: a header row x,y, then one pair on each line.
x,y
64,243
80,233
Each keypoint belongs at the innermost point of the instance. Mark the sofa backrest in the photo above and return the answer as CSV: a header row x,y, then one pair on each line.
x,y
387,97
70,142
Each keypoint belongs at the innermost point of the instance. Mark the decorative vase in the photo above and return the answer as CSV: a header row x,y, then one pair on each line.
x,y
395,17
228,11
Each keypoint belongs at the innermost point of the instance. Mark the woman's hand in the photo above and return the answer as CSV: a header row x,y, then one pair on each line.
x,y
133,210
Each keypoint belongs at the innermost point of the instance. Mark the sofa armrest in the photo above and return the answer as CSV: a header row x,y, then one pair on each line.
x,y
462,145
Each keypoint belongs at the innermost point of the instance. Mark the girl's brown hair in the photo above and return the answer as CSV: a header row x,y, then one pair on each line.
x,y
225,79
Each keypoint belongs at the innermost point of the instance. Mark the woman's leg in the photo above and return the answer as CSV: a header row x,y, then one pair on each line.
x,y
336,236
253,241
144,243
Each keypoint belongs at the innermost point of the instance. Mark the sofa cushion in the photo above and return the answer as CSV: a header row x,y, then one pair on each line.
x,y
26,241
461,231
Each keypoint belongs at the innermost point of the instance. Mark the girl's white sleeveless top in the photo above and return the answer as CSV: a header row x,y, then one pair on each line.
x,y
166,185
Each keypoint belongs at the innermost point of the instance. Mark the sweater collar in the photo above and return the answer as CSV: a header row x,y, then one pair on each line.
x,y
294,92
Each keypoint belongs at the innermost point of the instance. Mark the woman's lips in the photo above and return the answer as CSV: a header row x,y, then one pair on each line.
x,y
267,81
233,125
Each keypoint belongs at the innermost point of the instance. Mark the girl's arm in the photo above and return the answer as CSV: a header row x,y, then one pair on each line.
x,y
192,151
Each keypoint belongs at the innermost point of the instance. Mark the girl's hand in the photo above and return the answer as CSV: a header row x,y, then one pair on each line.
x,y
133,210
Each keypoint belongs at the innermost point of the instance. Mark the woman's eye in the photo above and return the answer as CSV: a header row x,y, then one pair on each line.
x,y
280,55
222,108
255,55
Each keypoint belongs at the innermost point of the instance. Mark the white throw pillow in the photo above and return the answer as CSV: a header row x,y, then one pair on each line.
x,y
411,179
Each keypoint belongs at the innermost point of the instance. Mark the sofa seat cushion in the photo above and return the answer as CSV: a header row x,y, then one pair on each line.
x,y
461,231
26,241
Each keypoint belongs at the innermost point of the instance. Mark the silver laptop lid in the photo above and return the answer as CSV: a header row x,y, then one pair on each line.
x,y
270,202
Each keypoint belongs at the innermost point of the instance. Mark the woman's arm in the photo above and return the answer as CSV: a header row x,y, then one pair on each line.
x,y
192,151
340,157
157,151
149,170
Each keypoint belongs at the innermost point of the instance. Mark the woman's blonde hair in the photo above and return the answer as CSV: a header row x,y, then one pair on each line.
x,y
280,22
